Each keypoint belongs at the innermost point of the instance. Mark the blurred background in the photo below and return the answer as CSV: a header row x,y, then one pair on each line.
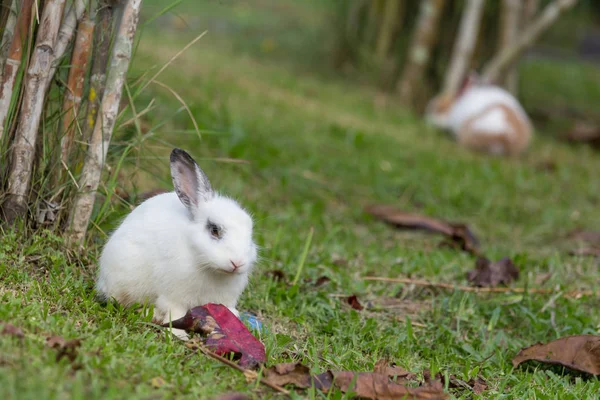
x,y
299,111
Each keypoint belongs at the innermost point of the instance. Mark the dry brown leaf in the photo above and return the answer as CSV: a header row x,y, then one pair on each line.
x,y
579,353
276,274
592,241
321,281
383,367
366,385
64,348
587,252
297,375
11,330
487,273
289,373
373,386
585,132
457,232
354,303
590,237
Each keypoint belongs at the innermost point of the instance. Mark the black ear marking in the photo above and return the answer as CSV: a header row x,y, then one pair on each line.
x,y
190,182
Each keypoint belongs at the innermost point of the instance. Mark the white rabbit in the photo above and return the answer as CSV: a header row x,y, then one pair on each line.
x,y
483,117
180,249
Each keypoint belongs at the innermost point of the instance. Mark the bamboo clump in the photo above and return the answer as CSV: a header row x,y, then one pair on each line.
x,y
78,34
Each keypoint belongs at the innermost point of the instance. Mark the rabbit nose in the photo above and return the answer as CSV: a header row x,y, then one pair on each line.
x,y
236,264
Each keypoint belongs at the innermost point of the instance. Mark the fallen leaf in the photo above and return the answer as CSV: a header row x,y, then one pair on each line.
x,y
289,373
64,348
157,382
298,375
354,303
579,353
365,385
374,386
225,333
11,330
478,385
487,273
586,251
276,274
590,237
592,241
393,372
321,281
585,132
459,233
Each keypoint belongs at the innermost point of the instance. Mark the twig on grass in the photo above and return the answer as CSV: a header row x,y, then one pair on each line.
x,y
419,282
247,372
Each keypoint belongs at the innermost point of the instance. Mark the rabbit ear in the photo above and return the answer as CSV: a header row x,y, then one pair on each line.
x,y
191,183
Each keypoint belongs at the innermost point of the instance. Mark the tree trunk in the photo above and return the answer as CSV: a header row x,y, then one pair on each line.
x,y
74,89
507,56
7,36
13,61
82,208
373,21
530,9
509,33
424,38
102,37
392,18
464,45
23,149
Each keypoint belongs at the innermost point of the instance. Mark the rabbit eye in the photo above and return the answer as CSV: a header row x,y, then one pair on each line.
x,y
214,230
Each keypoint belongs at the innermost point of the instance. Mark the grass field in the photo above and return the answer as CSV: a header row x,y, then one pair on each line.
x,y
320,149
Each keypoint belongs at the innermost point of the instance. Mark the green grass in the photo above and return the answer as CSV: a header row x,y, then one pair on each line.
x,y
319,151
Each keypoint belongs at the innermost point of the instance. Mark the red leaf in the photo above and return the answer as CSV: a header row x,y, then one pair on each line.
x,y
226,333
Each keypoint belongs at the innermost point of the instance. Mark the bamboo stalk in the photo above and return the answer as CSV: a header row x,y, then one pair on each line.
x,y
75,81
65,34
392,18
13,62
423,40
509,32
530,9
81,210
507,56
102,39
23,149
7,36
464,46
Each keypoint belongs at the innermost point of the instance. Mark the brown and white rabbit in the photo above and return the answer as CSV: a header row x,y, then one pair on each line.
x,y
483,117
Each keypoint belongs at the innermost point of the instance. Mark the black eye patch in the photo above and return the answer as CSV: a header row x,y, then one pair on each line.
x,y
214,230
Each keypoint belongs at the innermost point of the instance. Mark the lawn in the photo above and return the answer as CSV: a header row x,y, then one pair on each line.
x,y
319,149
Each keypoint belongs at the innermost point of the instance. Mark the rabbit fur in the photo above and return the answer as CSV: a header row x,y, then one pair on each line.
x,y
180,249
483,117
